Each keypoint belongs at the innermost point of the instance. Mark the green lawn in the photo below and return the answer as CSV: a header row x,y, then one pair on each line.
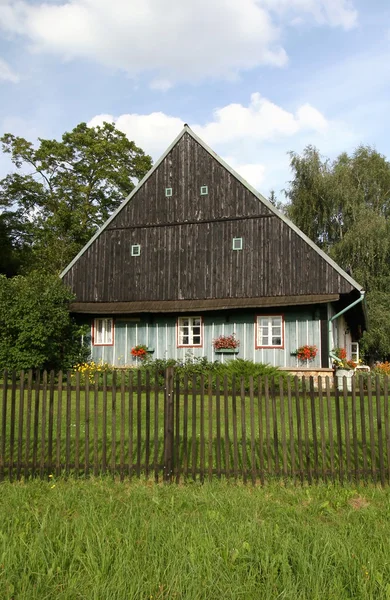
x,y
250,436
100,539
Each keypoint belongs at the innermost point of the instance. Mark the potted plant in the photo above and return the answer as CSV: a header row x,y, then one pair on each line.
x,y
140,351
226,344
307,352
343,368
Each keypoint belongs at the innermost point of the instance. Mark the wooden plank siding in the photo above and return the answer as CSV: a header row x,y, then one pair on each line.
x,y
186,242
302,326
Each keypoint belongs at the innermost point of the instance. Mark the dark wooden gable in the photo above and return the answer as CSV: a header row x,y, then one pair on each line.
x,y
187,242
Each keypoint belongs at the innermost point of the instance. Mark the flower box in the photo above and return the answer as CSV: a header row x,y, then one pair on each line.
x,y
150,350
340,374
226,351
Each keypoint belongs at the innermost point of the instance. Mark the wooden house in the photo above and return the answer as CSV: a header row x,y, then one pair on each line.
x,y
194,253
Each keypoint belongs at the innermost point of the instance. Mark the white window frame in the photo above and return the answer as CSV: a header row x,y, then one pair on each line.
x,y
168,192
191,325
204,190
237,243
135,250
104,335
355,352
259,327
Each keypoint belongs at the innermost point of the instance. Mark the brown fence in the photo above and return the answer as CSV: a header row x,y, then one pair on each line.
x,y
169,426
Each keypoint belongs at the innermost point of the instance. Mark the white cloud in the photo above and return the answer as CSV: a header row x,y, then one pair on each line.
x,y
336,13
260,120
6,73
153,132
243,134
181,40
188,40
252,173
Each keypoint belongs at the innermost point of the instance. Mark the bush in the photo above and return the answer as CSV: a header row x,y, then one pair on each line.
x,y
36,329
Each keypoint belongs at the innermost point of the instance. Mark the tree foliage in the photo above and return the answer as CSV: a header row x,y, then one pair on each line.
x,y
36,328
344,206
64,190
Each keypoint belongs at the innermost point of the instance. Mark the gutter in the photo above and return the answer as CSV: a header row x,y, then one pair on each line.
x,y
362,295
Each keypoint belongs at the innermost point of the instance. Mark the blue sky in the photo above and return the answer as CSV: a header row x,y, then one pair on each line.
x,y
254,78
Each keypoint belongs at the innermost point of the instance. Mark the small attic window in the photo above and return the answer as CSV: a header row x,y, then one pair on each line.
x,y
237,243
135,250
204,190
168,192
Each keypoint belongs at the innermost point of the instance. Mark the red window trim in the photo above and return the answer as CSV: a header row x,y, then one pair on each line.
x,y
201,331
93,331
269,347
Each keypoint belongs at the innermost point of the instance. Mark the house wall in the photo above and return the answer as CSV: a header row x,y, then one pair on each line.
x,y
302,325
186,250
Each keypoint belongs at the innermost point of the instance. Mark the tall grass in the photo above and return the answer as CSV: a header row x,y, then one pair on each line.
x,y
100,539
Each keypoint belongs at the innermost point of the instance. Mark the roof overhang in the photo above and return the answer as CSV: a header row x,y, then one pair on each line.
x,y
179,306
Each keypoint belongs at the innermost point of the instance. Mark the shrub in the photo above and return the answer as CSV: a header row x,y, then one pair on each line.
x,y
36,329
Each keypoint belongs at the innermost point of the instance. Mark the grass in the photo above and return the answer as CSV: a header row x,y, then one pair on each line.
x,y
99,539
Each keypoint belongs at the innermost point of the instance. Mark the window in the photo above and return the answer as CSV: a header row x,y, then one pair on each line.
x,y
269,331
355,352
135,250
204,190
103,332
189,331
237,243
168,192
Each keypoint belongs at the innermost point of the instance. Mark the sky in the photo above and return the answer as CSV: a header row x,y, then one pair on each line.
x,y
255,79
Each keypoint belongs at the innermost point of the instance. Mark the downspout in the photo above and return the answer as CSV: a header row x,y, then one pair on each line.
x,y
331,355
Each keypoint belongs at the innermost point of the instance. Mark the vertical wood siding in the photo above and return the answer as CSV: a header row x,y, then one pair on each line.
x,y
186,242
302,326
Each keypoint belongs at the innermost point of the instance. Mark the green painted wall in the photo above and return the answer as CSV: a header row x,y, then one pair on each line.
x,y
302,326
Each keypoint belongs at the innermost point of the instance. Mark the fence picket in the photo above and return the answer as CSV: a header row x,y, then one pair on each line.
x,y
3,424
51,423
363,427
202,437
252,425
322,428
387,427
43,426
261,428
243,430
379,428
20,425
58,425
354,430
122,427
36,422
371,429
218,419
330,429
346,430
226,422
210,416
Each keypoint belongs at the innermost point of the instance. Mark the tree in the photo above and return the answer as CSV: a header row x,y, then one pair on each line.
x,y
66,190
344,207
36,328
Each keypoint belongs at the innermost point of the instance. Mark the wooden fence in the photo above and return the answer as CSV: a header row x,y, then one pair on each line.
x,y
172,427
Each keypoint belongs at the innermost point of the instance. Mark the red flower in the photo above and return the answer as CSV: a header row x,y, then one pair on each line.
x,y
307,353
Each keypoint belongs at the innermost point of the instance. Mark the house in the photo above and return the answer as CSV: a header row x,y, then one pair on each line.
x,y
195,252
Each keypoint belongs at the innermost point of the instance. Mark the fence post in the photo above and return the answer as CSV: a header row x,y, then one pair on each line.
x,y
169,424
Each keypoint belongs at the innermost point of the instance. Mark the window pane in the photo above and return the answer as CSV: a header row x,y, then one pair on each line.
x,y
108,332
196,340
99,331
276,341
276,321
